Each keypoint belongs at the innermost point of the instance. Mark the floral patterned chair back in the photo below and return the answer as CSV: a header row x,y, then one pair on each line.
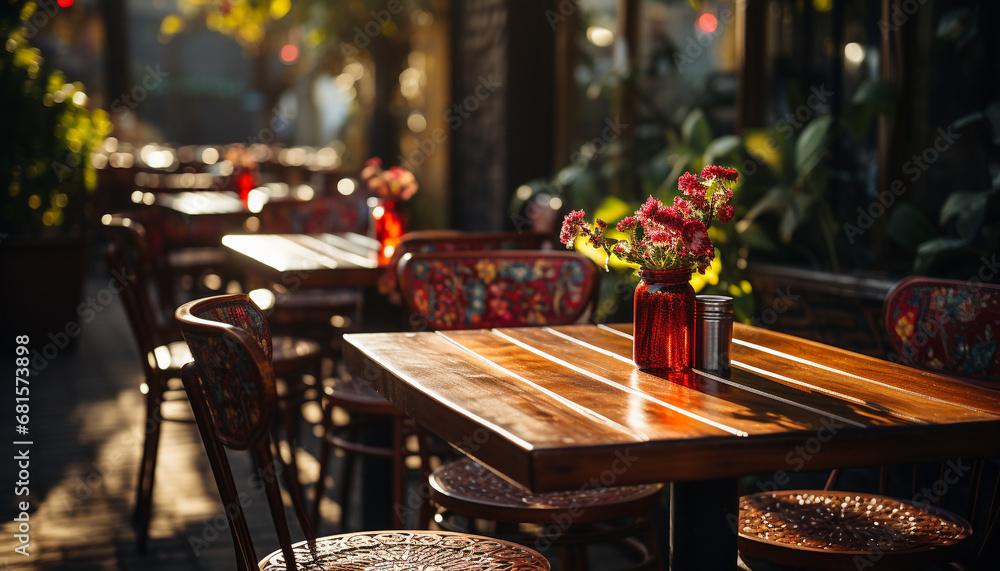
x,y
947,327
231,344
431,241
465,290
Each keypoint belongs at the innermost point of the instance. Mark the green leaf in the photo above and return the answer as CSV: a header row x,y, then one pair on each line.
x,y
992,113
756,239
962,202
938,252
722,147
777,198
794,216
939,246
858,120
876,94
909,227
681,165
696,131
811,144
613,209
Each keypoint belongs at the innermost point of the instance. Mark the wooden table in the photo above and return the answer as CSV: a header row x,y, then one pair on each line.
x,y
562,407
310,260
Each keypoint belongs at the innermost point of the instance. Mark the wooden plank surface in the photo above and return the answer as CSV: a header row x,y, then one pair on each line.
x,y
553,408
311,260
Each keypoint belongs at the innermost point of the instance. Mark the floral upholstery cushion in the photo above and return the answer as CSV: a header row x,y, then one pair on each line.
x,y
946,326
452,241
460,291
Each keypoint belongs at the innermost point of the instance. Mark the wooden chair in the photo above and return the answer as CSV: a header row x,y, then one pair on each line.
x,y
943,326
947,327
367,409
231,384
430,241
163,352
460,290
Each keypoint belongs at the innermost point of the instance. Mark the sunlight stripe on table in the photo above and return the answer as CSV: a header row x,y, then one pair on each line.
x,y
722,380
619,386
554,395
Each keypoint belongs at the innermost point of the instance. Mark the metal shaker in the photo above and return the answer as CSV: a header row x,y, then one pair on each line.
x,y
713,322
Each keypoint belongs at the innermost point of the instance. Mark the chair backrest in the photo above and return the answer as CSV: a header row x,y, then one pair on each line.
x,y
142,231
131,265
946,326
510,288
430,241
232,392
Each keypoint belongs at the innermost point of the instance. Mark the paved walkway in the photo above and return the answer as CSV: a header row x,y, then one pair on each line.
x,y
86,428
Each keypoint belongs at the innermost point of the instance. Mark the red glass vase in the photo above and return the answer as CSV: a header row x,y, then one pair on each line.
x,y
389,223
663,322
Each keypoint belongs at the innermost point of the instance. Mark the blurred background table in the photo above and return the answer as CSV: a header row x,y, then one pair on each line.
x,y
312,260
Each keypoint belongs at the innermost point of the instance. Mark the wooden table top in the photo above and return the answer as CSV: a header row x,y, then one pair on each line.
x,y
324,260
201,202
554,407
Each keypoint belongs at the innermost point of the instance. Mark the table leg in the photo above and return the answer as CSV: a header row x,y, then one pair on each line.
x,y
703,515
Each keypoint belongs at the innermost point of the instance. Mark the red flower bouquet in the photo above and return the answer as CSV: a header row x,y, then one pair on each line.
x,y
396,183
665,237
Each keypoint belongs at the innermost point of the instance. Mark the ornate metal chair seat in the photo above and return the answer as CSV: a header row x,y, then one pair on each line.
x,y
836,530
408,550
467,485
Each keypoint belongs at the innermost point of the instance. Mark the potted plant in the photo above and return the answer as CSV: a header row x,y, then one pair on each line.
x,y
47,181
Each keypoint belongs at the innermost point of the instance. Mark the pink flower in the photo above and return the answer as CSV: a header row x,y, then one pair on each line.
x,y
682,206
725,213
573,225
649,209
627,224
693,189
712,171
696,239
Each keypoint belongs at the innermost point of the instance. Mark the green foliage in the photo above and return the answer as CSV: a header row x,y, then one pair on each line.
x,y
968,227
48,135
967,231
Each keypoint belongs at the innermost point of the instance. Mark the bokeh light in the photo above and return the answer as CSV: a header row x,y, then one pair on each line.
x,y
600,36
289,53
708,23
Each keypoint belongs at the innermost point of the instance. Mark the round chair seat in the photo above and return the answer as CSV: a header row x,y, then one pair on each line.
x,y
458,485
292,354
357,396
829,530
409,550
